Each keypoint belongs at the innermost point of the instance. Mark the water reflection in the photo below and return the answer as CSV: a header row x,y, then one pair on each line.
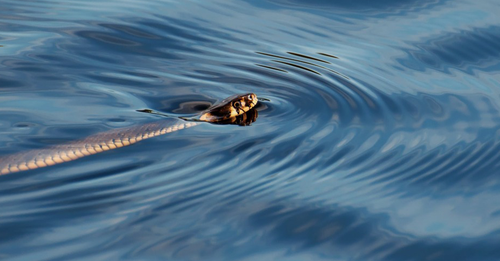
x,y
245,119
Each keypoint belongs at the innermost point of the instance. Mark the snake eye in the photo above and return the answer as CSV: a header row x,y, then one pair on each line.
x,y
237,104
250,97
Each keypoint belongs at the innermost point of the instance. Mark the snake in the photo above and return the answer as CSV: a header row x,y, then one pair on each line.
x,y
232,110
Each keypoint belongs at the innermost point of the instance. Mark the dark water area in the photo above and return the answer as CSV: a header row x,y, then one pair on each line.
x,y
377,135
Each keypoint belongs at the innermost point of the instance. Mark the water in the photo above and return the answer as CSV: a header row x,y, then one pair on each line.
x,y
377,138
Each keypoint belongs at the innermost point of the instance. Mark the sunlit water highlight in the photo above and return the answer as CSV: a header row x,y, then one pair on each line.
x,y
377,136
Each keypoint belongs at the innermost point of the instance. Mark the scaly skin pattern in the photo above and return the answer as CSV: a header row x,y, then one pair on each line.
x,y
233,106
91,145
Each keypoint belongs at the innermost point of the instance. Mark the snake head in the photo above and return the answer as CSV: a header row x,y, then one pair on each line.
x,y
231,107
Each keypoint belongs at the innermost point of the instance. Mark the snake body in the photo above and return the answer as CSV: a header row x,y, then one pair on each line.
x,y
33,159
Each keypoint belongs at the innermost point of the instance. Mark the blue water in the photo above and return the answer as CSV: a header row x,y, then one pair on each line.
x,y
377,135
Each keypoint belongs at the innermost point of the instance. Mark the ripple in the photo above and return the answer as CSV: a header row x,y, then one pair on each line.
x,y
378,8
352,156
302,61
452,51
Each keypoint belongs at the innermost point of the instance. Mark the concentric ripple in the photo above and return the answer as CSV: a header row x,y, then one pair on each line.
x,y
376,138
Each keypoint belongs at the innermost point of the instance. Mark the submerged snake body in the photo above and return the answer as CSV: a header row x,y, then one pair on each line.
x,y
109,140
33,159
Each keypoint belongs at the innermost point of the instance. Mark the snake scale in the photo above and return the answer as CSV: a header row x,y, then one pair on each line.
x,y
227,110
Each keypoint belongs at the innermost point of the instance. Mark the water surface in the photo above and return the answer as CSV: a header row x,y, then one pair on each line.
x,y
377,138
